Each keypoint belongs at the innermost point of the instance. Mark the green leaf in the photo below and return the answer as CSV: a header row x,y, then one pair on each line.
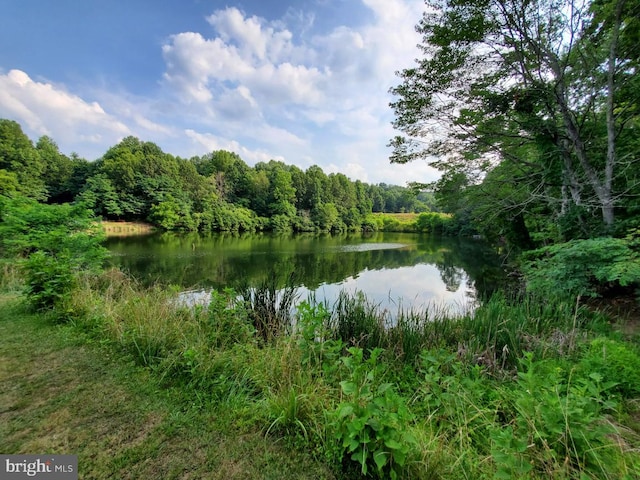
x,y
381,459
393,444
348,388
345,410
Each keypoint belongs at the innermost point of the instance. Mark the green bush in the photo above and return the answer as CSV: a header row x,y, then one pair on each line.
x,y
57,243
582,267
617,362
371,424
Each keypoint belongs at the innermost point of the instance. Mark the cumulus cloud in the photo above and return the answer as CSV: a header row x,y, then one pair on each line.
x,y
266,89
44,109
246,52
211,142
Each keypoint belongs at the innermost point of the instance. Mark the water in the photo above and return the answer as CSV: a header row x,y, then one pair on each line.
x,y
393,270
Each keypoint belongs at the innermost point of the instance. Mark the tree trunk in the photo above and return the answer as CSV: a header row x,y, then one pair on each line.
x,y
607,204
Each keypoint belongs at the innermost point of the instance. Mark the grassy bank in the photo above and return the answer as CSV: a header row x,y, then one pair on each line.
x,y
520,389
64,392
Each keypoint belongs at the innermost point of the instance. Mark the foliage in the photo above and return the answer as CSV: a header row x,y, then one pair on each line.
x,y
371,423
530,111
436,223
19,156
582,267
557,424
314,338
57,242
617,362
451,410
228,320
136,181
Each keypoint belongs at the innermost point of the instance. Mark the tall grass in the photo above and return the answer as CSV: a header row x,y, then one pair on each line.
x,y
495,335
261,364
270,307
11,278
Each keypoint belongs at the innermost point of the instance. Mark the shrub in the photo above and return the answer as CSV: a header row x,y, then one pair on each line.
x,y
582,267
615,361
58,243
371,424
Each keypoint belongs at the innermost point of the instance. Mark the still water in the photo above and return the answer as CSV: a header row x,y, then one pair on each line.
x,y
393,270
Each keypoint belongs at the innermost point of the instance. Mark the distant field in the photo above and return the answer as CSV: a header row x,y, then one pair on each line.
x,y
123,229
401,217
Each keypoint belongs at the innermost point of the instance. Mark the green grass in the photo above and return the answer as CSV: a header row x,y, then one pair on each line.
x,y
142,387
63,392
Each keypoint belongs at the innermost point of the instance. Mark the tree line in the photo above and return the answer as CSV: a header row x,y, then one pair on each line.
x,y
135,180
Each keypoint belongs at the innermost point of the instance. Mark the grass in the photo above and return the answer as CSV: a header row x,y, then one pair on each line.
x,y
125,229
401,217
63,392
142,387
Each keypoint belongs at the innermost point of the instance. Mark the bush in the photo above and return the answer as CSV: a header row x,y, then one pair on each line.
x,y
582,267
57,243
615,361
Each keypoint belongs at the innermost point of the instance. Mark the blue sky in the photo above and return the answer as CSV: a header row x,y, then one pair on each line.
x,y
305,82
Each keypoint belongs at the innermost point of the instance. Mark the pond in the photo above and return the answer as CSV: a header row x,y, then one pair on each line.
x,y
393,270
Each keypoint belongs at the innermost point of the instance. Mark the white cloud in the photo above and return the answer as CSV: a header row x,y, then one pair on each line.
x,y
245,52
262,82
212,142
252,36
44,109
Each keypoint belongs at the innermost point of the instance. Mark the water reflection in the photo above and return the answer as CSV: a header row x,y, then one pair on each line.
x,y
393,270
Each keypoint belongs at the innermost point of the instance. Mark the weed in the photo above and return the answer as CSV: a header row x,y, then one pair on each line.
x,y
314,338
616,361
370,424
557,425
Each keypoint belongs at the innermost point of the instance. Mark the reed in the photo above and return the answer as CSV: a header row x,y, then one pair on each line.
x,y
270,307
495,335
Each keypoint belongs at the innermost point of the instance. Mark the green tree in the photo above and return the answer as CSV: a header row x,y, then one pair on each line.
x,y
231,174
537,83
326,217
59,171
18,155
9,184
101,196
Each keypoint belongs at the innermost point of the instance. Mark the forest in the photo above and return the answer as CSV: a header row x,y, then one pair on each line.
x,y
136,180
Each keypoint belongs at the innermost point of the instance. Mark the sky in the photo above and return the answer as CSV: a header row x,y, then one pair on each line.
x,y
303,82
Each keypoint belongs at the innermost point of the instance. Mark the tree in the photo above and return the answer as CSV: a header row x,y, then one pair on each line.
x,y
101,197
18,155
9,185
545,84
59,170
230,172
